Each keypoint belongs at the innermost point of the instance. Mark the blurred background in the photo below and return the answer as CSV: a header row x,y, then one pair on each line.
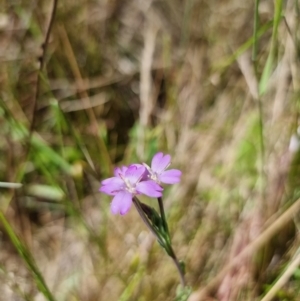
x,y
89,85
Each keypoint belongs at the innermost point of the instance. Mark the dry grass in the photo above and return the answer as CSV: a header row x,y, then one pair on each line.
x,y
122,80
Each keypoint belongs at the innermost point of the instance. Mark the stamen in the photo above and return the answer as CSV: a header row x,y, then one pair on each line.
x,y
128,185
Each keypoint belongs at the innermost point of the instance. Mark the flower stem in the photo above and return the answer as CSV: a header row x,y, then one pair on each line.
x,y
138,207
163,217
169,248
178,266
162,237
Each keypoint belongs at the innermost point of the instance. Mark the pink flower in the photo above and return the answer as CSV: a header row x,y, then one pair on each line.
x,y
158,172
128,182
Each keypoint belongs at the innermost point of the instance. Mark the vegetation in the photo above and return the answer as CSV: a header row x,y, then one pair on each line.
x,y
90,85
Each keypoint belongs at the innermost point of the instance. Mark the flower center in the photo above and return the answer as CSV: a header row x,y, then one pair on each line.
x,y
152,174
131,188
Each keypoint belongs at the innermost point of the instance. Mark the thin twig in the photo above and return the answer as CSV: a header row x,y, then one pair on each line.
x,y
24,220
42,63
39,76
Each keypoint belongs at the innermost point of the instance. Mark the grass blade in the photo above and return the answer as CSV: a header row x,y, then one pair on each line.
x,y
28,259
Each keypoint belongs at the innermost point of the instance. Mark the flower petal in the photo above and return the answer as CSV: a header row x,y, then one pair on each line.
x,y
113,180
136,165
149,188
119,171
134,173
160,162
121,203
107,190
171,176
111,186
111,189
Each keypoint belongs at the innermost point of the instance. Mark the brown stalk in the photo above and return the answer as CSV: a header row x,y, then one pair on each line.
x,y
86,103
259,242
42,64
24,221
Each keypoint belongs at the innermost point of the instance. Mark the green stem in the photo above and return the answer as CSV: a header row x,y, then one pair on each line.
x,y
138,207
255,35
178,266
163,238
163,217
169,248
259,101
